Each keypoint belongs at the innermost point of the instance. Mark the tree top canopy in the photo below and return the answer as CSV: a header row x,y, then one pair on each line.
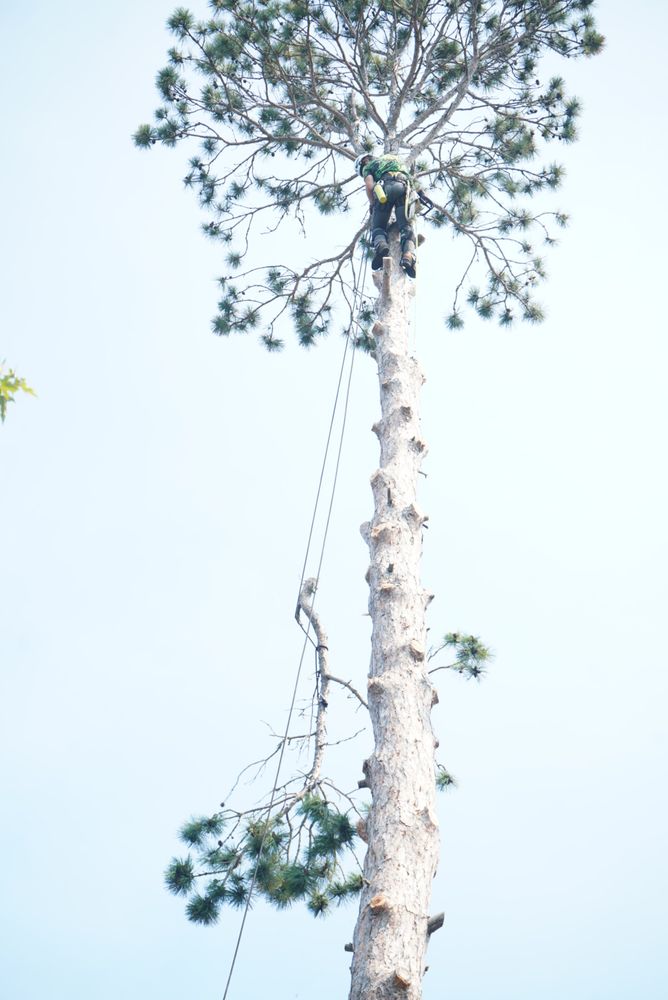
x,y
282,95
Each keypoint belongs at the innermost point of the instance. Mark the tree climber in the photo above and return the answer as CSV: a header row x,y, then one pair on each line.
x,y
389,185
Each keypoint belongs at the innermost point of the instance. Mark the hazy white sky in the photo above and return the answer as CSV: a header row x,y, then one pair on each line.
x,y
154,507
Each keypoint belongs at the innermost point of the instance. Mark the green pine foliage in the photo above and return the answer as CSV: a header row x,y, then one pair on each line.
x,y
444,779
454,321
10,384
471,656
196,830
180,876
280,96
297,854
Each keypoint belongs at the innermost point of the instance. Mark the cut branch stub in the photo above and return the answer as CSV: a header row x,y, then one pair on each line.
x,y
417,651
402,979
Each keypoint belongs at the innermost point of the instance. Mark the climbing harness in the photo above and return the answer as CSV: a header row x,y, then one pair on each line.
x,y
388,172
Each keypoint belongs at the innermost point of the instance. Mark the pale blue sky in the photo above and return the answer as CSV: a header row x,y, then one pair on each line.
x,y
154,507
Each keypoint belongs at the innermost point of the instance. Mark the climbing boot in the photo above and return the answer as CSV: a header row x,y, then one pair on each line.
x,y
380,251
408,262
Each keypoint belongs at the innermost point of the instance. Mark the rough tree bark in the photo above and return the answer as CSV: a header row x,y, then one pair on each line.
x,y
391,933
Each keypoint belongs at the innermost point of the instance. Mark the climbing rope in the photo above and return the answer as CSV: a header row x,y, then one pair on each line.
x,y
358,286
359,278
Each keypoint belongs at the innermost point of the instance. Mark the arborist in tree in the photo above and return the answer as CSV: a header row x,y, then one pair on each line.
x,y
389,185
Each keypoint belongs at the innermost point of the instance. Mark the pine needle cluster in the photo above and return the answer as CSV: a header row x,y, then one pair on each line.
x,y
293,855
444,779
471,655
471,658
280,96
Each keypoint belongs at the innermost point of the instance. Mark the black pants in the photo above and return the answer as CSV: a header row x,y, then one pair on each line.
x,y
396,199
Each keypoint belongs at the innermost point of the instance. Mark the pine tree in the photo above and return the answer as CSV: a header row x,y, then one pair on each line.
x,y
280,97
10,384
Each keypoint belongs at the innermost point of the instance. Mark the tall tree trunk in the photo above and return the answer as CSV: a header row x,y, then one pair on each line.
x,y
391,933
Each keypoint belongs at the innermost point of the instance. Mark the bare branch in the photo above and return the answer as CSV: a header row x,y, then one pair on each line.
x,y
322,651
348,685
